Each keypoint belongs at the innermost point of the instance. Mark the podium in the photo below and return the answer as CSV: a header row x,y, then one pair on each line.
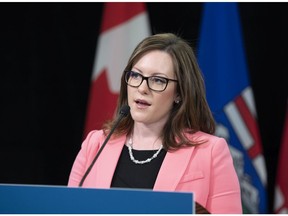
x,y
41,199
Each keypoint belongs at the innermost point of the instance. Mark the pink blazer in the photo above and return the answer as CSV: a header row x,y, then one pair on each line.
x,y
206,170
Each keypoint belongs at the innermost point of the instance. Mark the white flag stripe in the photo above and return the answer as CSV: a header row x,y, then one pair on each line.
x,y
259,164
115,53
248,97
245,138
239,125
279,198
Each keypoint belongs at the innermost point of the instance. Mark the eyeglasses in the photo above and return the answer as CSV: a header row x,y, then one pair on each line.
x,y
155,83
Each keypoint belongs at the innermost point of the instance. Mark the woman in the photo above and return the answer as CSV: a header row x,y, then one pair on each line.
x,y
166,143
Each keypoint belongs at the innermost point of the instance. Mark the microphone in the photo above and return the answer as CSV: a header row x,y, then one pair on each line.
x,y
124,111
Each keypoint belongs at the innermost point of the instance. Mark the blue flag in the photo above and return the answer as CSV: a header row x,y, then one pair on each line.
x,y
222,60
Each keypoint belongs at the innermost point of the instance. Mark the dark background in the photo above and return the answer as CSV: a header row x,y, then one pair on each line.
x,y
47,52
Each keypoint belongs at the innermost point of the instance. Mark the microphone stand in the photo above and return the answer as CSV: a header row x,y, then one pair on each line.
x,y
123,112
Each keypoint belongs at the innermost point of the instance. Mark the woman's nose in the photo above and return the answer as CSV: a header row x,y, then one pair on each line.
x,y
143,88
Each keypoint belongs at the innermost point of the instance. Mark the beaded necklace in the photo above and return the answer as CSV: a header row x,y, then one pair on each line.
x,y
130,144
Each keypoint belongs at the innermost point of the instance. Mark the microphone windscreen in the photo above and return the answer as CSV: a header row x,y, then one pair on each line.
x,y
125,109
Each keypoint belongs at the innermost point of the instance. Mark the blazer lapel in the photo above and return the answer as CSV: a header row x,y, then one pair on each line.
x,y
107,162
172,169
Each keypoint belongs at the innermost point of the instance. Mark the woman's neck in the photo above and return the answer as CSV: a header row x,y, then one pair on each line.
x,y
146,137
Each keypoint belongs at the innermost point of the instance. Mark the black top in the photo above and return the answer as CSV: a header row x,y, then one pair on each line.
x,y
131,175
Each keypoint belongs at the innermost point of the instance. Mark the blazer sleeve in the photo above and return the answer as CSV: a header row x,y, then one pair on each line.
x,y
224,195
84,157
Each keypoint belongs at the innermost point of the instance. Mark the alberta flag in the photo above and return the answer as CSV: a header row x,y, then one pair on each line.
x,y
124,25
222,60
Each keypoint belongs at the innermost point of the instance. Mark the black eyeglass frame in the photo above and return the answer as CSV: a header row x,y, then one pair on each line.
x,y
146,78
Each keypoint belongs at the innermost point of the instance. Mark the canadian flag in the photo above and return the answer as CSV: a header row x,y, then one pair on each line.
x,y
281,191
124,25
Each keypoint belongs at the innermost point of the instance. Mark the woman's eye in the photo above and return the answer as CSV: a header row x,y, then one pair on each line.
x,y
158,80
135,75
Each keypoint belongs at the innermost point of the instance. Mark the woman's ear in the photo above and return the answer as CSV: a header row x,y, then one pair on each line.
x,y
177,99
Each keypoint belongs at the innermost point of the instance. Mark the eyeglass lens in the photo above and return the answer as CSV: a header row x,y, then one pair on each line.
x,y
156,83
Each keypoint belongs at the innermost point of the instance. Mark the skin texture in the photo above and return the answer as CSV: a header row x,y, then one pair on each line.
x,y
154,108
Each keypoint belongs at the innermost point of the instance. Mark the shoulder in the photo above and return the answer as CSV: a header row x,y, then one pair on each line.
x,y
96,138
206,139
94,135
93,140
210,143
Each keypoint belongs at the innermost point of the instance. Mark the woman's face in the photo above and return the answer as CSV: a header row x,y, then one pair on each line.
x,y
148,106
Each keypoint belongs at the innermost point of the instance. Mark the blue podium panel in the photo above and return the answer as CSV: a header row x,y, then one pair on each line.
x,y
35,199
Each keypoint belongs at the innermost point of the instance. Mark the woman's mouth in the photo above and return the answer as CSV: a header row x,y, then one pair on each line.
x,y
142,103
